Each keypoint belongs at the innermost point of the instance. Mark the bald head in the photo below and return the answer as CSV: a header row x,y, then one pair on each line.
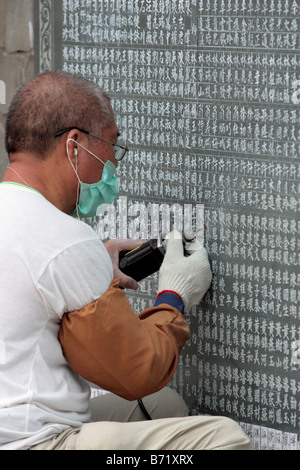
x,y
50,103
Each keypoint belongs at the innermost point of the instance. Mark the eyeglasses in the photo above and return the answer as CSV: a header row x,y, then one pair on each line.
x,y
120,150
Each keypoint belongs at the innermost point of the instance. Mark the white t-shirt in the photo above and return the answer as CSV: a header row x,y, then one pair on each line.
x,y
51,263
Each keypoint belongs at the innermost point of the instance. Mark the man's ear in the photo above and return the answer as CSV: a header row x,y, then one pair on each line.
x,y
71,150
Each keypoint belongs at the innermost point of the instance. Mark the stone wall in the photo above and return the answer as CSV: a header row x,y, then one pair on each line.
x,y
16,56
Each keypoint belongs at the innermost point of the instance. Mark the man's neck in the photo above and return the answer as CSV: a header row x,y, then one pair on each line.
x,y
39,175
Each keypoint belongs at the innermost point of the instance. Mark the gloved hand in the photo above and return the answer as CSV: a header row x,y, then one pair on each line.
x,y
188,276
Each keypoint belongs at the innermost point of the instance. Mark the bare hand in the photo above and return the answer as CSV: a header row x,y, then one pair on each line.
x,y
114,246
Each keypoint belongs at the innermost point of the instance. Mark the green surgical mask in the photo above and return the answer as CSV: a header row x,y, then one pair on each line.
x,y
94,195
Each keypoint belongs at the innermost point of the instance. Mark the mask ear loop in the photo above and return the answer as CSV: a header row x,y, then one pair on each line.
x,y
78,184
75,170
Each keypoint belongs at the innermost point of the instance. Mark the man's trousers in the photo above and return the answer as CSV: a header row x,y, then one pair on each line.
x,y
121,425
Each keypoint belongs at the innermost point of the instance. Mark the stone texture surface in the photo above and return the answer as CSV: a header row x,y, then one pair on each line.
x,y
19,26
16,56
2,22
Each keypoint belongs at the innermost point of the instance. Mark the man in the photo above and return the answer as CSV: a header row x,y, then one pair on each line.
x,y
63,316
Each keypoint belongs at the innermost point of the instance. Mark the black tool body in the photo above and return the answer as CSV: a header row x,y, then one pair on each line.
x,y
147,258
142,261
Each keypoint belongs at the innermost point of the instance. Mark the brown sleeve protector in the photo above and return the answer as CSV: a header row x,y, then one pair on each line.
x,y
130,355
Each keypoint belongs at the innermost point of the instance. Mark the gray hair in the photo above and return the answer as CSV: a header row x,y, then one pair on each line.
x,y
50,103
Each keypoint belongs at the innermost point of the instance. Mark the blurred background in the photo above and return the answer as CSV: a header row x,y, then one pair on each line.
x,y
16,56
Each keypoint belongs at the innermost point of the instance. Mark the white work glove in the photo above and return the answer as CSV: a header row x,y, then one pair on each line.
x,y
188,276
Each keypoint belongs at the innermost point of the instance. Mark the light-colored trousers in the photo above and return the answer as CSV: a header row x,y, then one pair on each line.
x,y
121,425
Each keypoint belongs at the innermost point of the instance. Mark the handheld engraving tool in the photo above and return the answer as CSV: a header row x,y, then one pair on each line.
x,y
146,259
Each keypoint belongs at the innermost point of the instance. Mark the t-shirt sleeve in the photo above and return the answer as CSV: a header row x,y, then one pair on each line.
x,y
75,277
